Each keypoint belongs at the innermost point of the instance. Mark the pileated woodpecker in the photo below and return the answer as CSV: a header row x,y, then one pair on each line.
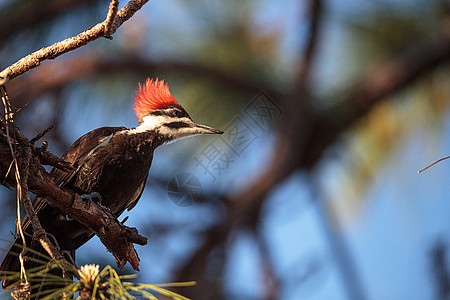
x,y
113,163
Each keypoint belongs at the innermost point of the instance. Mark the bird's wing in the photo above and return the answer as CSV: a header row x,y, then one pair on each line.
x,y
81,149
76,155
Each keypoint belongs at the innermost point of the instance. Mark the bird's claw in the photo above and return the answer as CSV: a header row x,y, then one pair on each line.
x,y
94,196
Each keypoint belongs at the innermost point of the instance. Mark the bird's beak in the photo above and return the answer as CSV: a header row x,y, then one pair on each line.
x,y
203,129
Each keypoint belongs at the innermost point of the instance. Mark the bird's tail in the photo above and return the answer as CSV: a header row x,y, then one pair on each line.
x,y
10,267
10,264
35,260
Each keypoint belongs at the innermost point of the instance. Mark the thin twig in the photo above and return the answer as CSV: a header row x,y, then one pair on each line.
x,y
22,107
4,79
39,232
34,59
48,158
9,120
439,160
315,8
112,13
9,170
41,134
23,195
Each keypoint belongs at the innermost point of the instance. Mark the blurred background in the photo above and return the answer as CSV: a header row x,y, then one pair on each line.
x,y
329,110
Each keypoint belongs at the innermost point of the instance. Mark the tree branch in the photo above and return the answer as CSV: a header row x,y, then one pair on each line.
x,y
20,15
39,232
112,13
34,59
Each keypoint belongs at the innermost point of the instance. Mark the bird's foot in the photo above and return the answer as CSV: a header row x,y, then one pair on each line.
x,y
94,196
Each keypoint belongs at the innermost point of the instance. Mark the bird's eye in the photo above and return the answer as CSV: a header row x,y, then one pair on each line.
x,y
177,113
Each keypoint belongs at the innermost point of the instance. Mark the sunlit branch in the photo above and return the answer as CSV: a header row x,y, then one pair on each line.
x,y
34,59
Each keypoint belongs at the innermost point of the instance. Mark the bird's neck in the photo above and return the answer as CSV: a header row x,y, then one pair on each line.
x,y
140,140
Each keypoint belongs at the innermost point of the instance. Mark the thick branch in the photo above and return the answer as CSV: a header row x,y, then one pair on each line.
x,y
34,59
112,13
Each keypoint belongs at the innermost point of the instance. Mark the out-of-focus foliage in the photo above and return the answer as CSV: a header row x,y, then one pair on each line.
x,y
376,36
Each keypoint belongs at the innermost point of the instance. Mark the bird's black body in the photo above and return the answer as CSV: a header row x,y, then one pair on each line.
x,y
112,161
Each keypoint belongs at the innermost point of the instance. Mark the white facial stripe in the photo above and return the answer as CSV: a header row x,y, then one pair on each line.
x,y
179,133
151,122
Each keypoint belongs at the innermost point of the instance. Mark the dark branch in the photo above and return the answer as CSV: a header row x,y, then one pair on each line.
x,y
294,133
41,134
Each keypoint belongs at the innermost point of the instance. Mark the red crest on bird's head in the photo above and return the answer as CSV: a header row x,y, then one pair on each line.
x,y
153,95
